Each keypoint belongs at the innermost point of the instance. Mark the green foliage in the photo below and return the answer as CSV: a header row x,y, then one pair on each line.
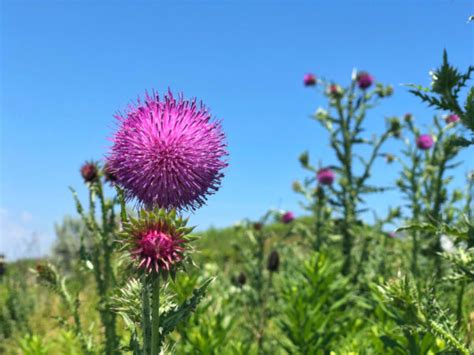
x,y
313,303
445,91
420,315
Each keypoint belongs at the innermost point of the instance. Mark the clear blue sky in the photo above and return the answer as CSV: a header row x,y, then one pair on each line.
x,y
68,66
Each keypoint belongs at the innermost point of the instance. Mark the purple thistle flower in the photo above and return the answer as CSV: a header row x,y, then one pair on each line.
x,y
168,153
325,176
452,118
287,217
309,79
424,142
364,80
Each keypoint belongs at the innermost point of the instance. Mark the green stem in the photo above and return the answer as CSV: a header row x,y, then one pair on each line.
x,y
460,304
146,316
155,315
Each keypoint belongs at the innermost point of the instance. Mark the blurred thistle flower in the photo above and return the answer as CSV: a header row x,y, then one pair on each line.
x,y
392,234
424,142
452,118
257,226
408,117
90,172
364,80
309,80
325,176
168,153
335,91
156,240
273,263
287,217
109,176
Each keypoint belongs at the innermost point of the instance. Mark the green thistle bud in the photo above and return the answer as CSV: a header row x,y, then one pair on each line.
x,y
304,159
273,263
297,186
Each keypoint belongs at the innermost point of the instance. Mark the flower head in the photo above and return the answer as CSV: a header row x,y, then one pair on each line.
x,y
90,172
364,80
424,142
309,80
287,217
325,176
168,153
452,118
157,240
335,91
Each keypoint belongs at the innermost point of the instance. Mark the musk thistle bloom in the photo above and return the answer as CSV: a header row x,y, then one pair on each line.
x,y
364,80
325,176
424,142
90,172
168,153
309,80
156,240
287,217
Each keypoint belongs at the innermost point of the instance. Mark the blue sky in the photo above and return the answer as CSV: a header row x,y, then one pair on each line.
x,y
68,66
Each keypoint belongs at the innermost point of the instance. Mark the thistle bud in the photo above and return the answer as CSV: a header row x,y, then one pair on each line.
x,y
241,279
47,274
408,117
304,159
297,186
273,261
335,91
395,127
109,175
389,158
89,172
257,226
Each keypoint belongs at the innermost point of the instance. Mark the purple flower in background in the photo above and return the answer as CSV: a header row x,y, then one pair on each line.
x,y
424,142
287,217
364,80
168,153
452,118
325,176
309,79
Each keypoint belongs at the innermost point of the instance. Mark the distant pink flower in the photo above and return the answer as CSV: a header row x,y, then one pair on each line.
x,y
364,80
309,79
424,142
287,217
325,176
392,234
168,153
452,118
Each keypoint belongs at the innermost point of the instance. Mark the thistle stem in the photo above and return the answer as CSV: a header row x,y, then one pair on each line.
x,y
146,326
155,315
